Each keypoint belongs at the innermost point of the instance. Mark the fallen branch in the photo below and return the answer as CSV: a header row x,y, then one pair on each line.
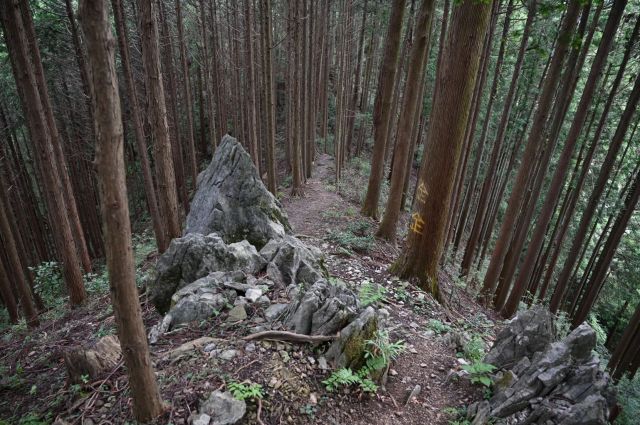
x,y
289,336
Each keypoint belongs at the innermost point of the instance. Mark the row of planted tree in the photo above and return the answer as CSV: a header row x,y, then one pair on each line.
x,y
524,115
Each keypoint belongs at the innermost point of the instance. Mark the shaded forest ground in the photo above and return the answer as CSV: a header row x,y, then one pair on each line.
x,y
33,380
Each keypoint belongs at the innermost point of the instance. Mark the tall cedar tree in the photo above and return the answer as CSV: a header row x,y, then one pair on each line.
x,y
562,165
147,403
40,134
534,142
455,83
408,118
166,182
382,109
138,128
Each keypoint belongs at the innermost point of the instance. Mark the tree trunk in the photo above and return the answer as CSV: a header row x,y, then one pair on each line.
x,y
34,107
167,195
141,143
415,73
382,109
270,107
147,404
536,137
456,81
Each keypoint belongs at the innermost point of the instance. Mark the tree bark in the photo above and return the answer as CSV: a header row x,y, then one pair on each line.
x,y
536,137
455,80
167,195
382,109
147,404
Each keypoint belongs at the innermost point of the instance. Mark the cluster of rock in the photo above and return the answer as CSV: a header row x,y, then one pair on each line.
x,y
540,381
238,250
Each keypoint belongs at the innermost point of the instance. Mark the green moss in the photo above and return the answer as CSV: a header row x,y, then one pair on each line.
x,y
355,347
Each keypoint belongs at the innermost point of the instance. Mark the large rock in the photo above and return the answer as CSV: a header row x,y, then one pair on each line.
x,y
529,332
551,383
292,261
232,201
195,256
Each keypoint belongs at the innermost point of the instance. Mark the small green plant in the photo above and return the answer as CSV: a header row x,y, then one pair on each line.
x,y
249,391
371,293
97,283
341,378
350,241
474,349
562,324
438,327
103,331
379,352
479,373
48,283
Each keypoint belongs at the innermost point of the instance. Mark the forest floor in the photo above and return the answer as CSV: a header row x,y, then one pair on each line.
x,y
33,378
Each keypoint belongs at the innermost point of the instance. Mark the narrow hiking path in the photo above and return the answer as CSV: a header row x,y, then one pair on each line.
x,y
321,216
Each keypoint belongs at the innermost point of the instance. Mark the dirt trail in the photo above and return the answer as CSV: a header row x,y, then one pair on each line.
x,y
427,360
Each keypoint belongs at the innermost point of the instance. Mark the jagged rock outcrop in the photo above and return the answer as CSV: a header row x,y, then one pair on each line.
x,y
545,382
195,256
236,249
528,333
232,201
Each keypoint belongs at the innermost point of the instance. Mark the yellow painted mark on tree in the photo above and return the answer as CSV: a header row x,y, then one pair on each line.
x,y
421,193
416,223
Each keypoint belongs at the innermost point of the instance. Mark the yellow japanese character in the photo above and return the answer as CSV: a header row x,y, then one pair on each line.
x,y
421,192
416,223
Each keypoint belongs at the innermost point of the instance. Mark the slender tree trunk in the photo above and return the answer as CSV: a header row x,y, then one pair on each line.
x,y
382,109
34,107
482,208
267,52
188,101
141,143
415,73
536,137
456,80
147,403
168,198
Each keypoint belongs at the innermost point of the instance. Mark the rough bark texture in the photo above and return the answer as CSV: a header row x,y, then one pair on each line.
x,y
147,403
382,108
455,81
166,182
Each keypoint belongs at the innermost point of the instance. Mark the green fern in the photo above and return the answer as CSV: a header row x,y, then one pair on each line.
x,y
371,293
341,378
242,391
479,373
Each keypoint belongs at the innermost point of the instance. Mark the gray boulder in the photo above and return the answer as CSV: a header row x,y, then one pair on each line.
x,y
232,201
292,261
527,333
323,309
557,383
195,256
223,409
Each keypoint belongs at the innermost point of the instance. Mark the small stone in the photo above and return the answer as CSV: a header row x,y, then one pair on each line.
x,y
228,354
413,394
414,325
253,294
264,300
311,360
274,310
210,347
241,301
322,363
250,347
201,419
285,356
313,399
237,314
423,365
462,361
393,372
412,350
223,408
